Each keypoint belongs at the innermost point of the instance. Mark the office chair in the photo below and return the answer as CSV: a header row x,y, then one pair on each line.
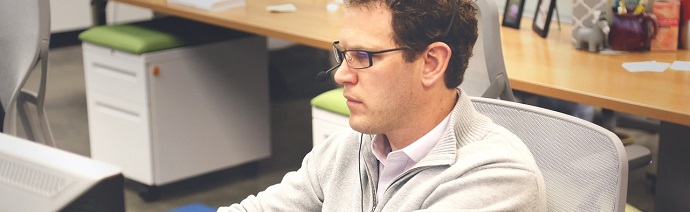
x,y
584,165
485,76
486,73
638,156
24,43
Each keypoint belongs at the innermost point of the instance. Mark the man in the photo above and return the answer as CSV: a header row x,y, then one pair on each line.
x,y
417,143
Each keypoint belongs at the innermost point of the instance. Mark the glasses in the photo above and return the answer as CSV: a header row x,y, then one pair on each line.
x,y
358,59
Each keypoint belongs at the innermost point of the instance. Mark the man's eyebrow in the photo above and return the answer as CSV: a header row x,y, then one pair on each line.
x,y
357,48
354,47
349,47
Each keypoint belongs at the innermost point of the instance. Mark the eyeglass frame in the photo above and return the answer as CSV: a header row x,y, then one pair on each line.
x,y
340,55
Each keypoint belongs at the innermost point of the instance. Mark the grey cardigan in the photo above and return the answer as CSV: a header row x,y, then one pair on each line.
x,y
477,165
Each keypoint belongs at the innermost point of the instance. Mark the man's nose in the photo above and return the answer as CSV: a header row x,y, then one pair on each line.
x,y
344,75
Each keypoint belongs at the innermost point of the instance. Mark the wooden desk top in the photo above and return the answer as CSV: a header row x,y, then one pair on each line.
x,y
553,67
550,67
310,25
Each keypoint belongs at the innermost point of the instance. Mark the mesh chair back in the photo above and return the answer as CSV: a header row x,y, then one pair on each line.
x,y
486,73
20,44
24,42
584,165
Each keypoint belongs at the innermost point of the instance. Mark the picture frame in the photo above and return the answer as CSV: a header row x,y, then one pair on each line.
x,y
542,17
512,13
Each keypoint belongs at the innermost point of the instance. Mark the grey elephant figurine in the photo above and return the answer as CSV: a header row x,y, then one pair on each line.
x,y
594,39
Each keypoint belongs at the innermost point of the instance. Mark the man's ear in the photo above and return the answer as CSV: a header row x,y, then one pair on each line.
x,y
436,58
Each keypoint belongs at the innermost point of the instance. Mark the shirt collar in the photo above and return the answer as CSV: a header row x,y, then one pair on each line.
x,y
420,148
417,150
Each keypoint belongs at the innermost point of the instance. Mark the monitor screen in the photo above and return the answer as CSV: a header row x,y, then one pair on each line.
x,y
36,177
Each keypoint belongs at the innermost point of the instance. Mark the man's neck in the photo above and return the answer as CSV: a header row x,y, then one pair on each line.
x,y
431,114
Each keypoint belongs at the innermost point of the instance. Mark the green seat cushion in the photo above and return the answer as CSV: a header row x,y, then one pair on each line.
x,y
332,101
157,34
630,208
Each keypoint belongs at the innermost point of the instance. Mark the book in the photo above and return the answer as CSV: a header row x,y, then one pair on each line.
x,y
668,14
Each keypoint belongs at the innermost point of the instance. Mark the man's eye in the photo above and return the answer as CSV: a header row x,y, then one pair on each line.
x,y
361,55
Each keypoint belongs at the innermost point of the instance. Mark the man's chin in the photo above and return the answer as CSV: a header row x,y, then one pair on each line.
x,y
362,128
362,131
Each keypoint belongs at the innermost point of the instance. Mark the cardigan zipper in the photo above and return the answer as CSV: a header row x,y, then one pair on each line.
x,y
408,172
372,186
373,192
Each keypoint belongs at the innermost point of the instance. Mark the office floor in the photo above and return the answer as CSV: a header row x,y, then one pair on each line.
x,y
292,86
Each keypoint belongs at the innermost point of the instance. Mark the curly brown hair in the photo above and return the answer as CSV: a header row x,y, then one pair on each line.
x,y
418,23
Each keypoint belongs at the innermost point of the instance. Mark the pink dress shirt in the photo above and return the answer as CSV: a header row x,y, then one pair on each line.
x,y
393,164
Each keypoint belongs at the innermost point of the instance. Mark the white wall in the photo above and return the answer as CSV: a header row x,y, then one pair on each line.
x,y
68,15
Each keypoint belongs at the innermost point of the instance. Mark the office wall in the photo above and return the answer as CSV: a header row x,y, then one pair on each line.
x,y
69,15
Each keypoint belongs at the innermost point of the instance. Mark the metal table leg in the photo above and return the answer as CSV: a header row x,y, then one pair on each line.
x,y
673,173
98,11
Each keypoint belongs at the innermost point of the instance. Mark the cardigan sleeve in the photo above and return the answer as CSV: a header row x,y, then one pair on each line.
x,y
497,173
298,191
494,187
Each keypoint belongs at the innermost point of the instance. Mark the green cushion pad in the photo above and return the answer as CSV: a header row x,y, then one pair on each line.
x,y
157,34
332,101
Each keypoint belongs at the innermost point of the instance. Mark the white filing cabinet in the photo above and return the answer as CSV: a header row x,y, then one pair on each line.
x,y
173,114
324,123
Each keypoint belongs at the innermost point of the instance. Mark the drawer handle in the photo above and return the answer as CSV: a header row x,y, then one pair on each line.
x,y
115,72
118,112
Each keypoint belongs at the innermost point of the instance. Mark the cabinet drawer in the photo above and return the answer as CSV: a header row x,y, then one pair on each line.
x,y
325,123
119,134
115,73
321,129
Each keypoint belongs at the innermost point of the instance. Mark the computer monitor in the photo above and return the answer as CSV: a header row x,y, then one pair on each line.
x,y
36,177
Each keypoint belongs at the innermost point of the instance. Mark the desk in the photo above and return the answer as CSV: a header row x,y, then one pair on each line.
x,y
311,25
553,67
549,67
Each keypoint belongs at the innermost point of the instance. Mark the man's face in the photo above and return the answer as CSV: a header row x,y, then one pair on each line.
x,y
381,97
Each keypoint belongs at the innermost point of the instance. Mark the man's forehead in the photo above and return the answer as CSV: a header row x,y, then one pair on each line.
x,y
366,27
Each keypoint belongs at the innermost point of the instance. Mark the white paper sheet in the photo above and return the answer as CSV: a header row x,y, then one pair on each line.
x,y
680,65
211,5
281,8
649,66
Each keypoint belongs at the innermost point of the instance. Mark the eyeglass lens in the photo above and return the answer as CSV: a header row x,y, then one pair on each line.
x,y
354,58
